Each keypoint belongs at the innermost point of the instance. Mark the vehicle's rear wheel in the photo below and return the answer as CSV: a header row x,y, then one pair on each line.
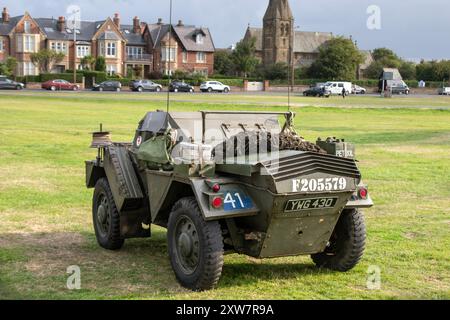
x,y
106,217
195,246
100,89
140,89
346,245
75,88
175,90
210,90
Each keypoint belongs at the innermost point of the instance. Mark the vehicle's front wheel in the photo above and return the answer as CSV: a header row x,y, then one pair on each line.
x,y
346,245
106,217
226,90
195,246
140,89
53,88
158,89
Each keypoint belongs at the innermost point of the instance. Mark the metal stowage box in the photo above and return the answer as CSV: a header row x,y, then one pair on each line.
x,y
337,147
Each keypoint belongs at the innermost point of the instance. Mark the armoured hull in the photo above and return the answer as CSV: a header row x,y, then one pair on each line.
x,y
300,196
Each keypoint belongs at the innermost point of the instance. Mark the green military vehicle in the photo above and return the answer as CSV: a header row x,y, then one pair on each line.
x,y
229,182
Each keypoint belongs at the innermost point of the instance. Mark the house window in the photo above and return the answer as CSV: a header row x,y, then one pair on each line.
x,y
27,26
199,38
1,45
185,56
29,69
60,47
29,44
83,51
201,57
111,69
135,52
203,72
168,54
111,49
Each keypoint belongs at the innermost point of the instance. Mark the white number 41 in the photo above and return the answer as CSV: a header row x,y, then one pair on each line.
x,y
229,199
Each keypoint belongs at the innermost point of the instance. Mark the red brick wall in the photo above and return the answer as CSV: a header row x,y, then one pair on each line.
x,y
5,53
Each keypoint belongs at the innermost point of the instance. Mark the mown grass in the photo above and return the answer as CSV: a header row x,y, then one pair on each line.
x,y
45,223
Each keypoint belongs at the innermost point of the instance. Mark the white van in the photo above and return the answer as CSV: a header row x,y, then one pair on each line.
x,y
337,87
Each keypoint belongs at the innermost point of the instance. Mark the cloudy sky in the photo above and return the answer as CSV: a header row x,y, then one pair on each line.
x,y
415,29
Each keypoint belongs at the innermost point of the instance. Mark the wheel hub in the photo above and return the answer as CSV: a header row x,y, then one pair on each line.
x,y
185,244
101,214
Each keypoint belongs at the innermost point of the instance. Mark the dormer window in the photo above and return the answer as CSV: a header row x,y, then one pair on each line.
x,y
199,38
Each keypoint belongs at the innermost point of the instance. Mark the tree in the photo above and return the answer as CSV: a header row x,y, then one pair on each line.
x,y
8,67
380,54
223,63
277,71
100,64
88,62
45,59
244,58
408,70
338,59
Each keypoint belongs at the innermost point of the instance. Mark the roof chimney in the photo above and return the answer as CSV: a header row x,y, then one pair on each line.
x,y
61,24
160,21
5,15
136,25
180,23
117,20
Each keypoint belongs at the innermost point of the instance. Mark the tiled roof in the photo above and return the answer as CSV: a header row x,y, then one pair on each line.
x,y
86,31
132,38
305,42
5,28
186,34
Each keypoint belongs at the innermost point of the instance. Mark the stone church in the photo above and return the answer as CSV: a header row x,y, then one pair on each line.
x,y
278,39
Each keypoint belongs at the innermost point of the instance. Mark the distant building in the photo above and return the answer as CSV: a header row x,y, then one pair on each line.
x,y
277,38
125,47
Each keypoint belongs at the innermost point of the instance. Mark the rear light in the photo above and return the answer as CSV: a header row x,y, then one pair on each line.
x,y
217,202
363,193
216,188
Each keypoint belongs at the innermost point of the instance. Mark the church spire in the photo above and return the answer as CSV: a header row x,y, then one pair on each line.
x,y
278,9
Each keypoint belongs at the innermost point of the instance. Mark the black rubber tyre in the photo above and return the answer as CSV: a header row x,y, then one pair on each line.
x,y
226,90
346,245
195,246
210,90
106,217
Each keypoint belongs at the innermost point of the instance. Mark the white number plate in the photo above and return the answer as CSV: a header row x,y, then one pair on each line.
x,y
319,185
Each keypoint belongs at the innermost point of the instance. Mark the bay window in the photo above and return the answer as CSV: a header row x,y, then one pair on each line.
x,y
168,54
60,47
83,51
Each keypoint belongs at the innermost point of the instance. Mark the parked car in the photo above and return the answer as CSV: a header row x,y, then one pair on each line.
x,y
337,87
358,90
59,84
445,91
211,86
317,92
180,86
108,86
145,85
400,88
8,84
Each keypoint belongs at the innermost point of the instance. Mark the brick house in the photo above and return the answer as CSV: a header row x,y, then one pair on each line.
x,y
125,47
191,49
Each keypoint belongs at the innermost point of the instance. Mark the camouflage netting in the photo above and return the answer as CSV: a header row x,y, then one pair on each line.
x,y
247,143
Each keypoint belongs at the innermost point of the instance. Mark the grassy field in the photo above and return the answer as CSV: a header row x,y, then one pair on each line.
x,y
45,209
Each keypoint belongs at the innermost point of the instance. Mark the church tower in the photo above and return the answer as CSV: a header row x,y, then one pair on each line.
x,y
278,33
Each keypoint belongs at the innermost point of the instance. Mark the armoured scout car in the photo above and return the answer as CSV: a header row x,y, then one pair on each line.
x,y
229,182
